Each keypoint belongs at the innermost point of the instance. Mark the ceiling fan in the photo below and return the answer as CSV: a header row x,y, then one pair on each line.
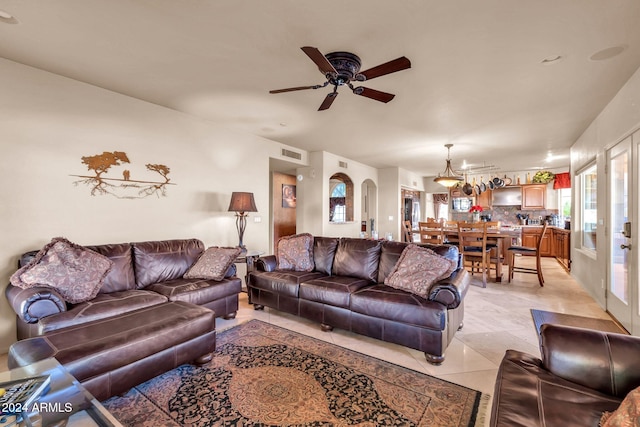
x,y
341,68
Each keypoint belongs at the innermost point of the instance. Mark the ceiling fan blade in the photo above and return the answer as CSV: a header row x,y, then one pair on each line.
x,y
374,94
317,57
291,89
328,100
398,64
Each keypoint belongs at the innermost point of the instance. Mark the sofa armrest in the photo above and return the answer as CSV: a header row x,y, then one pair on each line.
x,y
35,303
266,263
603,361
450,291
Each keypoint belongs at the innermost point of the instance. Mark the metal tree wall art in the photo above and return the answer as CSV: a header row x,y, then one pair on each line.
x,y
122,186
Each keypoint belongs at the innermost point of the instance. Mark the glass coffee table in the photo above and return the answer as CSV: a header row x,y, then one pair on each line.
x,y
67,403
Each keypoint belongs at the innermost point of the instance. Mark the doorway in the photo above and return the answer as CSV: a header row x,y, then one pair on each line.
x,y
622,282
410,210
284,202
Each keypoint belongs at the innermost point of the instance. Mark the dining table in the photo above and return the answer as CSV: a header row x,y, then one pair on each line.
x,y
503,237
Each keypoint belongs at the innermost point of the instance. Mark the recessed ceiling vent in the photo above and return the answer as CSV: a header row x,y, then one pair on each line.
x,y
343,164
291,154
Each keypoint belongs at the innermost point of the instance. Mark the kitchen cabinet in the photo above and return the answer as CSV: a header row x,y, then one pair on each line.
x,y
531,235
562,247
534,196
484,199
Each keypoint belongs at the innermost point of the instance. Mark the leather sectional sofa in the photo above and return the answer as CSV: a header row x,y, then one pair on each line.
x,y
582,374
346,290
146,319
143,274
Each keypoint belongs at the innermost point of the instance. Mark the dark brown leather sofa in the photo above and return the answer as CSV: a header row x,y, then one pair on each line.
x,y
346,290
582,373
144,274
146,319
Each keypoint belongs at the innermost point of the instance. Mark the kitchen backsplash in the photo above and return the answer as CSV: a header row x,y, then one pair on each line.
x,y
508,215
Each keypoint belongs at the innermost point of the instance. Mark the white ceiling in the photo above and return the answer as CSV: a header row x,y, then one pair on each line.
x,y
477,78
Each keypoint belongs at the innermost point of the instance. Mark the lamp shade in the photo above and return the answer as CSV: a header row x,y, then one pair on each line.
x,y
242,202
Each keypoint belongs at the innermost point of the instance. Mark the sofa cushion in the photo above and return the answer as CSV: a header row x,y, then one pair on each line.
x,y
213,263
121,276
197,291
159,261
75,272
281,282
103,306
295,252
332,290
357,258
324,250
385,302
419,268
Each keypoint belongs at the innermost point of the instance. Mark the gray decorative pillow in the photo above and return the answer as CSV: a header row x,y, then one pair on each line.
x,y
213,263
74,271
295,252
419,268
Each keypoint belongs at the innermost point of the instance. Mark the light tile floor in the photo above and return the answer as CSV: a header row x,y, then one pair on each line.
x,y
496,318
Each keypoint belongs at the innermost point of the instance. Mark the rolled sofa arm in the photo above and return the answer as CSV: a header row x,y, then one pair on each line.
x,y
603,361
450,291
266,263
33,304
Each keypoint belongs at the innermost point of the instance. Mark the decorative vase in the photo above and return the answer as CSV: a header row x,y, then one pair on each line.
x,y
475,216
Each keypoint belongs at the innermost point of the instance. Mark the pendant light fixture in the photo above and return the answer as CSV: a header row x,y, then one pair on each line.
x,y
449,177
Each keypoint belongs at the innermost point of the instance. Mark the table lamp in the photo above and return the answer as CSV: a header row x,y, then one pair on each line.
x,y
241,203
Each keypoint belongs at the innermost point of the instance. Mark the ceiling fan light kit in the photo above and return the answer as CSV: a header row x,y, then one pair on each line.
x,y
341,68
449,177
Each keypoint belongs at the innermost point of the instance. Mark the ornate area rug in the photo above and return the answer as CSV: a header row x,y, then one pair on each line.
x,y
264,375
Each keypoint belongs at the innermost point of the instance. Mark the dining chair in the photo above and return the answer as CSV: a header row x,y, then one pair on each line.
x,y
514,251
431,232
408,232
492,244
472,237
449,225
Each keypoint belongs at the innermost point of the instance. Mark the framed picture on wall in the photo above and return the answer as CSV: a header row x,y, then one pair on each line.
x,y
288,196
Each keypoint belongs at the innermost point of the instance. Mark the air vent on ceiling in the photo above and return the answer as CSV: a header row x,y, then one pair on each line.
x,y
342,164
292,154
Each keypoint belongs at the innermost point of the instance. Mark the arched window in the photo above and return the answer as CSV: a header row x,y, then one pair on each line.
x,y
340,198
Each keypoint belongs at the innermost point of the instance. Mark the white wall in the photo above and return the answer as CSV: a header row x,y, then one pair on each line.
x,y
49,122
619,119
313,215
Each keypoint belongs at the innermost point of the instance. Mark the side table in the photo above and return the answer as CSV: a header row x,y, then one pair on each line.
x,y
249,257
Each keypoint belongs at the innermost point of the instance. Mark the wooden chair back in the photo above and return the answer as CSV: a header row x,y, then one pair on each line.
x,y
472,244
431,232
407,231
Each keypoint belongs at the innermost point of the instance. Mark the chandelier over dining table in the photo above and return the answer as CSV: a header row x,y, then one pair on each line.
x,y
449,177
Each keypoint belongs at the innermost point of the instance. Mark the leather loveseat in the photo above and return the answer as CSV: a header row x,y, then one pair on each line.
x,y
346,290
582,374
143,274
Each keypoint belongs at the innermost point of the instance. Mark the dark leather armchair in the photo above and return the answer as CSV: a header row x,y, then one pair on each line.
x,y
582,373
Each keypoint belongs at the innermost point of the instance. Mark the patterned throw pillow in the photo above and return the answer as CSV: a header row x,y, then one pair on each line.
x,y
295,253
213,263
417,269
74,271
627,414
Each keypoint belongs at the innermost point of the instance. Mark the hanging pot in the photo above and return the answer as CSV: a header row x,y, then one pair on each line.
x,y
483,186
467,188
476,187
498,182
491,185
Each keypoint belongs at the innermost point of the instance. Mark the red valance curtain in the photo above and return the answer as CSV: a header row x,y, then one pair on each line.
x,y
563,180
